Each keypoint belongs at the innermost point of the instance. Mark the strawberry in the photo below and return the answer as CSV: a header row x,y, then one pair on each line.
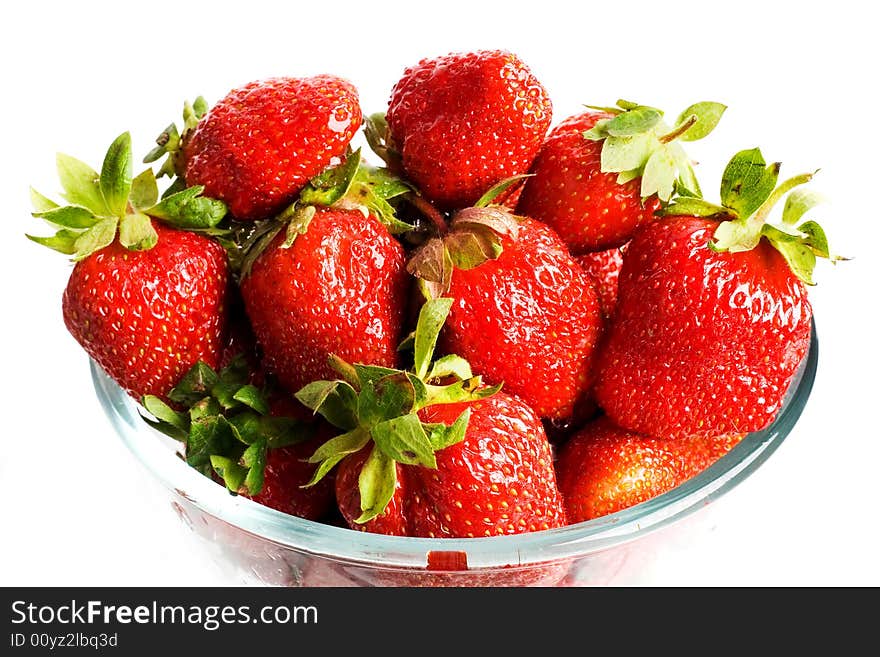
x,y
498,480
431,451
145,300
602,173
259,145
604,268
465,121
338,288
712,316
529,318
602,468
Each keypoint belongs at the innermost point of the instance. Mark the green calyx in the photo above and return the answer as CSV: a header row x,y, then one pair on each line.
x,y
637,143
749,192
474,236
227,428
169,143
353,184
378,136
102,206
381,405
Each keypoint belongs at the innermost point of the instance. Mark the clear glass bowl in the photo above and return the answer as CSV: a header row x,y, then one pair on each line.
x,y
259,545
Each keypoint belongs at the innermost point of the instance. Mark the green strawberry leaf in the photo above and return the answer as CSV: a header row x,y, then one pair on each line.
x,y
687,183
598,131
467,390
40,202
799,256
432,264
210,434
250,396
815,239
336,401
797,204
747,182
136,232
188,209
254,458
659,174
81,184
471,248
499,188
404,440
373,188
450,365
432,316
298,223
95,238
707,113
195,384
621,154
165,414
69,216
144,190
230,471
365,374
378,136
376,484
696,207
442,436
116,172
167,142
633,121
334,450
64,241
333,183
384,399
193,112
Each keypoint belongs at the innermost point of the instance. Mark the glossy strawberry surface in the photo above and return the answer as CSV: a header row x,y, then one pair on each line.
x,y
530,319
146,317
498,480
465,121
701,342
570,192
603,469
259,145
338,289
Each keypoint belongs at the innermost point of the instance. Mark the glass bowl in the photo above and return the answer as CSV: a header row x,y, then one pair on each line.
x,y
259,545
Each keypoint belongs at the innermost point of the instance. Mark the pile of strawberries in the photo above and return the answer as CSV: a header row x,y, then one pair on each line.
x,y
497,327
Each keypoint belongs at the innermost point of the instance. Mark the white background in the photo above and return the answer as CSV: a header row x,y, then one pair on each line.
x,y
800,81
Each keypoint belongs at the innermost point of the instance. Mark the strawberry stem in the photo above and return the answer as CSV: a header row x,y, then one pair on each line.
x,y
429,211
682,128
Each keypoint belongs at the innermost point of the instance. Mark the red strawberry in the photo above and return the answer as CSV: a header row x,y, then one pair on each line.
x,y
603,468
601,174
340,288
146,317
259,146
604,268
465,121
712,316
529,319
498,480
146,301
570,192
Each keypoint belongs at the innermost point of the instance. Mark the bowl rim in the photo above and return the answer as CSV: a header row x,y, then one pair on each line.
x,y
351,546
